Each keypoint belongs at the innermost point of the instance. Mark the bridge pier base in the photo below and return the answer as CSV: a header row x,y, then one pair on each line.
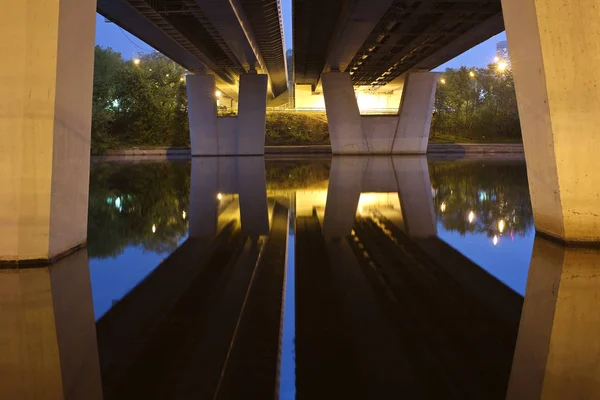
x,y
555,56
406,133
241,135
46,86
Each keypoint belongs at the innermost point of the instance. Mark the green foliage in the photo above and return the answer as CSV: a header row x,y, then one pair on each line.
x,y
476,105
138,105
289,129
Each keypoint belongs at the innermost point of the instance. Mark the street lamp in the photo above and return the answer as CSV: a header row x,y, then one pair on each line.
x,y
218,93
443,81
137,61
501,67
472,74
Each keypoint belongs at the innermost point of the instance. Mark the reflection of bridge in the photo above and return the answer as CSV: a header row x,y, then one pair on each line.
x,y
382,305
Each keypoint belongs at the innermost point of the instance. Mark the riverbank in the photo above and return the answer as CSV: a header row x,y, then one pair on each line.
x,y
434,148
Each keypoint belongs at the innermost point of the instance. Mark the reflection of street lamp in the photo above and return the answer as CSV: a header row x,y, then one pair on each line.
x,y
471,216
443,207
219,196
495,240
137,61
501,225
183,214
153,228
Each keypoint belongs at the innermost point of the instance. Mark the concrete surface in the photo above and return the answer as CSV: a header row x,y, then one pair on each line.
x,y
555,52
202,114
416,111
252,114
45,125
345,126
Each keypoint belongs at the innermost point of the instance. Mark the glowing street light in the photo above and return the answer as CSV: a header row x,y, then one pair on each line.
x,y
153,228
471,217
472,74
443,81
218,93
219,196
443,207
183,214
181,79
137,61
502,66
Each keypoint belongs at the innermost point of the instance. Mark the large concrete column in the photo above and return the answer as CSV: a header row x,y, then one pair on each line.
x,y
45,123
252,114
555,53
343,116
557,354
416,111
202,111
48,347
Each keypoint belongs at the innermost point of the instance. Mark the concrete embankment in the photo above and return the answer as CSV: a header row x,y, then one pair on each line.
x,y
452,149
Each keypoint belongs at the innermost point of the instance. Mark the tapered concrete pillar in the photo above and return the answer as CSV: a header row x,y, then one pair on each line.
x,y
343,116
48,347
557,355
252,114
555,56
416,111
416,200
45,122
202,110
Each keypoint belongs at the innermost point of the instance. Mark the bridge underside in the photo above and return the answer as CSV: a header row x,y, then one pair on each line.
x,y
223,38
379,41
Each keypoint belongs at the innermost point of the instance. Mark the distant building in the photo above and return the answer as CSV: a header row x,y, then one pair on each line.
x,y
502,51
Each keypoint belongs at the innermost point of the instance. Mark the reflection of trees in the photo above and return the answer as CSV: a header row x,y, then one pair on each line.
x,y
126,200
296,175
494,192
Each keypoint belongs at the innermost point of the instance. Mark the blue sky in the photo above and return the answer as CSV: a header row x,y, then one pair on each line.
x,y
110,35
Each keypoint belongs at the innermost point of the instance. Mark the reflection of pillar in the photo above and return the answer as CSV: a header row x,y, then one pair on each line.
x,y
203,196
252,114
416,111
416,200
202,114
555,57
48,335
226,175
252,187
343,116
343,194
558,354
45,124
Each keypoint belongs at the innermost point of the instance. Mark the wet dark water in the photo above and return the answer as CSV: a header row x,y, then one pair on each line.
x,y
351,277
409,275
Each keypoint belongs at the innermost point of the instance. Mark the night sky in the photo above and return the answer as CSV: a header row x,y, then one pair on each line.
x,y
110,35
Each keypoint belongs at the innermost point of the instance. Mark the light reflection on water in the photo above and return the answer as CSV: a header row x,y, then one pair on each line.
x,y
139,214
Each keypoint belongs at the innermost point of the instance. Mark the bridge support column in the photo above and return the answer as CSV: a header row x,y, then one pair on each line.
x,y
343,115
416,111
407,133
555,56
45,125
202,109
252,114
